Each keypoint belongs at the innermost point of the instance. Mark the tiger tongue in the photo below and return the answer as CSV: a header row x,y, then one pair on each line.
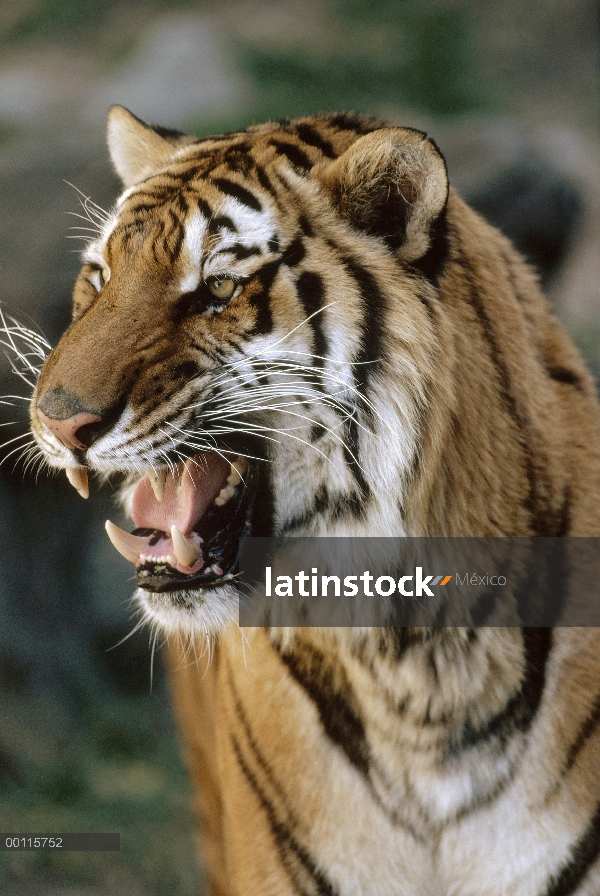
x,y
189,492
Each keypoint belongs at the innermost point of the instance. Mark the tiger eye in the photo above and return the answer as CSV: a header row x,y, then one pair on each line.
x,y
221,288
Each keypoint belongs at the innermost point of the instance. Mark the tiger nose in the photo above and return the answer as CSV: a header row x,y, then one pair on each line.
x,y
65,416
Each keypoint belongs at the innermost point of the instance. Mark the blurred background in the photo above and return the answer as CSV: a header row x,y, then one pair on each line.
x,y
510,92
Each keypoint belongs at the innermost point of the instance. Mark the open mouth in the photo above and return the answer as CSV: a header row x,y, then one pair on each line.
x,y
189,520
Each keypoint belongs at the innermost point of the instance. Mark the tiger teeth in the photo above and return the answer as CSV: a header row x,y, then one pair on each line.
x,y
78,477
238,468
186,550
239,465
129,546
157,480
225,495
169,559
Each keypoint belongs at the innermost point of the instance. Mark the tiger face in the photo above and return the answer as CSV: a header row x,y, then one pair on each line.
x,y
228,352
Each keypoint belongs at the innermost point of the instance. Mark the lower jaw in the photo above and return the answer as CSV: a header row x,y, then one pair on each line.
x,y
190,612
178,583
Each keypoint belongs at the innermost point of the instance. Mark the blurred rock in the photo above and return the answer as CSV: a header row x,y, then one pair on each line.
x,y
537,209
514,172
182,69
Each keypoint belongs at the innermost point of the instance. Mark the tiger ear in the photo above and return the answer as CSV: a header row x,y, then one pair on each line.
x,y
391,183
136,149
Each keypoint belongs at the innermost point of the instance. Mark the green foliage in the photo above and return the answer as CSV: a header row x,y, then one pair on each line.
x,y
117,769
54,18
9,132
381,53
63,784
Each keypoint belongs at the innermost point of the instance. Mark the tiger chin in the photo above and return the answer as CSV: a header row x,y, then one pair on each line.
x,y
300,329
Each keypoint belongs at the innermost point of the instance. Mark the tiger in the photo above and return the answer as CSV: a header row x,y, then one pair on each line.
x,y
300,329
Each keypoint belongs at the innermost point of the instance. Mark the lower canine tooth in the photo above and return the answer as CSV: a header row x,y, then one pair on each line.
x,y
129,546
78,478
186,550
157,481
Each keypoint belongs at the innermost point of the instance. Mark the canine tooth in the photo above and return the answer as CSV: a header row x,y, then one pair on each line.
x,y
129,546
186,550
78,477
157,481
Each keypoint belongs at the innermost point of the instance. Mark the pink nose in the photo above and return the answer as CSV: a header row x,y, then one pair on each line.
x,y
66,430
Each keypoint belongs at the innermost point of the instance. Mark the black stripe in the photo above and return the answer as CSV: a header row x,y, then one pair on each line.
x,y
541,593
583,856
305,226
186,371
180,202
369,358
242,252
258,756
294,857
139,208
160,229
331,692
563,375
168,418
348,503
184,178
321,503
311,293
309,135
564,527
329,689
351,455
265,182
220,222
484,606
238,160
520,710
433,263
293,153
173,240
262,518
262,300
204,208
294,253
230,188
346,121
586,731
538,501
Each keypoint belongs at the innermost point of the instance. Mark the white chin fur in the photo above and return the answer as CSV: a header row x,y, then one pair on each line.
x,y
189,613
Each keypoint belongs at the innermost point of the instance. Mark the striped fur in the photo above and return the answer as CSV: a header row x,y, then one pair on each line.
x,y
388,358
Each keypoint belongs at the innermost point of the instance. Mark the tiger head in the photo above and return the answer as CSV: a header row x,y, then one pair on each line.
x,y
261,340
